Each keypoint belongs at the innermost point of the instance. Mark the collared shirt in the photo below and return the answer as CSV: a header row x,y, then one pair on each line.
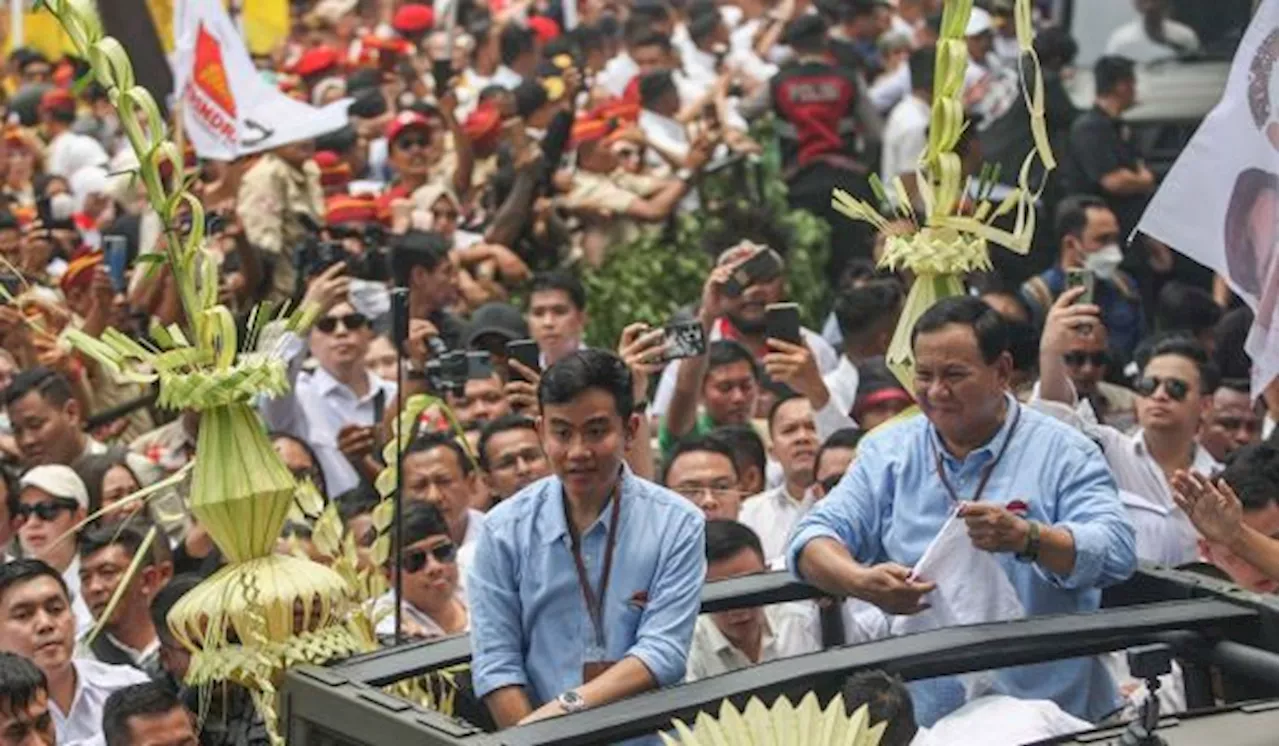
x,y
772,514
94,683
507,78
789,629
84,619
272,197
318,407
998,720
842,384
413,615
529,620
467,550
891,505
107,648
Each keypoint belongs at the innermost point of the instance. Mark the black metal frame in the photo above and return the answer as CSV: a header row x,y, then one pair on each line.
x,y
1206,621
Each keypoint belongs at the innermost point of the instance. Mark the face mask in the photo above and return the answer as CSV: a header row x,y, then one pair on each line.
x,y
1104,262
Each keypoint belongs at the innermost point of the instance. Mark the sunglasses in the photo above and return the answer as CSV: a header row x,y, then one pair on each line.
x,y
1176,388
353,322
1078,359
45,511
416,559
409,143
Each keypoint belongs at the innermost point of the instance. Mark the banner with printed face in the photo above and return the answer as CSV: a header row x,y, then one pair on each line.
x,y
1218,204
228,110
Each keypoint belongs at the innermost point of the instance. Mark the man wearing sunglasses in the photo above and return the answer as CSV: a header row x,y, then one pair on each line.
x,y
1172,401
1087,360
586,586
431,605
411,153
335,407
51,501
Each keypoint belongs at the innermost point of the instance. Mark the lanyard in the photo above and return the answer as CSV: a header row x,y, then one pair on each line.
x,y
986,470
595,603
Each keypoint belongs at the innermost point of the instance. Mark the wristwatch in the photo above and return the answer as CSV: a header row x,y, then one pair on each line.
x,y
571,702
1031,552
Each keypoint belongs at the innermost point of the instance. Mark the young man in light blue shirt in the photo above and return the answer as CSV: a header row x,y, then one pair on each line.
x,y
1031,491
585,585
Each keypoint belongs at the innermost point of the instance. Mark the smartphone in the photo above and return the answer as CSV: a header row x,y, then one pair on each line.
x,y
116,250
479,365
44,212
441,74
525,351
761,266
782,321
1082,278
683,339
214,222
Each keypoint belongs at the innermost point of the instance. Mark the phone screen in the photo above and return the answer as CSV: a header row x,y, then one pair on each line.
x,y
683,340
116,249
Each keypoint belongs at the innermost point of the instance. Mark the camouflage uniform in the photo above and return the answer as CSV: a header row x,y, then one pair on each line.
x,y
272,195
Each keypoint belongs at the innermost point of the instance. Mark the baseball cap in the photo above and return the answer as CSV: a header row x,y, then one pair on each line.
x,y
413,19
979,23
406,120
57,480
502,319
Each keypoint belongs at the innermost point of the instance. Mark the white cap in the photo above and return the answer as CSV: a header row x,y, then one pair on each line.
x,y
979,22
58,481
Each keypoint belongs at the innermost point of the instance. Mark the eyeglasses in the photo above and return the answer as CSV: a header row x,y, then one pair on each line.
x,y
415,559
409,143
1176,388
1078,359
695,492
45,511
353,322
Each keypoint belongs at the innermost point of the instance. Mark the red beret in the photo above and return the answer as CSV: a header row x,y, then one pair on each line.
x,y
56,99
342,209
587,129
334,171
406,120
316,62
413,19
544,28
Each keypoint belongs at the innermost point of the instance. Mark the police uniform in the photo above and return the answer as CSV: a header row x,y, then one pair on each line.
x,y
272,197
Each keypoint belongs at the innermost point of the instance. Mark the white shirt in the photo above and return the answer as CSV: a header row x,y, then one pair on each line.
x,y
84,619
617,74
998,720
467,551
789,629
507,78
772,514
94,683
317,409
387,624
664,132
905,138
1131,40
842,384
889,89
1162,526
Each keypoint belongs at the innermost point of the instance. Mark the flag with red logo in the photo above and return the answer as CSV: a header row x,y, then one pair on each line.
x,y
228,109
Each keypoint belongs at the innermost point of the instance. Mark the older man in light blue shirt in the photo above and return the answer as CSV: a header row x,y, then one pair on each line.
x,y
1034,493
543,642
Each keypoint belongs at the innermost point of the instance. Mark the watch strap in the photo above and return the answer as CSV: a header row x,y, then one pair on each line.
x,y
1031,552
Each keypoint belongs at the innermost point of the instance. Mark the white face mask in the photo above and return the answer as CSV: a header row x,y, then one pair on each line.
x,y
1105,261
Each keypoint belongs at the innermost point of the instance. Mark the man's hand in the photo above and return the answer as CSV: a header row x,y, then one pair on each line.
x,y
795,366
992,528
1063,323
420,330
641,349
1215,510
357,441
328,288
522,394
890,587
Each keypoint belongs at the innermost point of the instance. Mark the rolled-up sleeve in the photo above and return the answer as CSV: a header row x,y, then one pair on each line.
x,y
1089,507
497,635
666,625
848,514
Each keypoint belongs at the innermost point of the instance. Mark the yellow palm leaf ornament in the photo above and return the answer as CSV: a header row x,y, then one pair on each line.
x,y
263,611
783,723
951,237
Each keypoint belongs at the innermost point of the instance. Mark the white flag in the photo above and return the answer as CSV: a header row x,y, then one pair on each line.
x,y
228,110
1218,204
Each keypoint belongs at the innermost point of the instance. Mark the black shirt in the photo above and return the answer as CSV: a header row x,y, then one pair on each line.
x,y
1098,145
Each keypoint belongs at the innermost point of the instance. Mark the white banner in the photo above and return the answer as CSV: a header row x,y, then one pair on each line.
x,y
228,110
1218,204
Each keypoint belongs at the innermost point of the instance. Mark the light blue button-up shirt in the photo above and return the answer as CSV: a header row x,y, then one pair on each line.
x,y
529,622
891,505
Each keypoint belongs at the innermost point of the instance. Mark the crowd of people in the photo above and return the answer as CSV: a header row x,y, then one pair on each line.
x,y
1051,435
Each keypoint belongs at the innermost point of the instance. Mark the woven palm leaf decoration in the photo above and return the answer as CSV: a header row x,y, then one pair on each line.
x,y
263,611
946,242
780,725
